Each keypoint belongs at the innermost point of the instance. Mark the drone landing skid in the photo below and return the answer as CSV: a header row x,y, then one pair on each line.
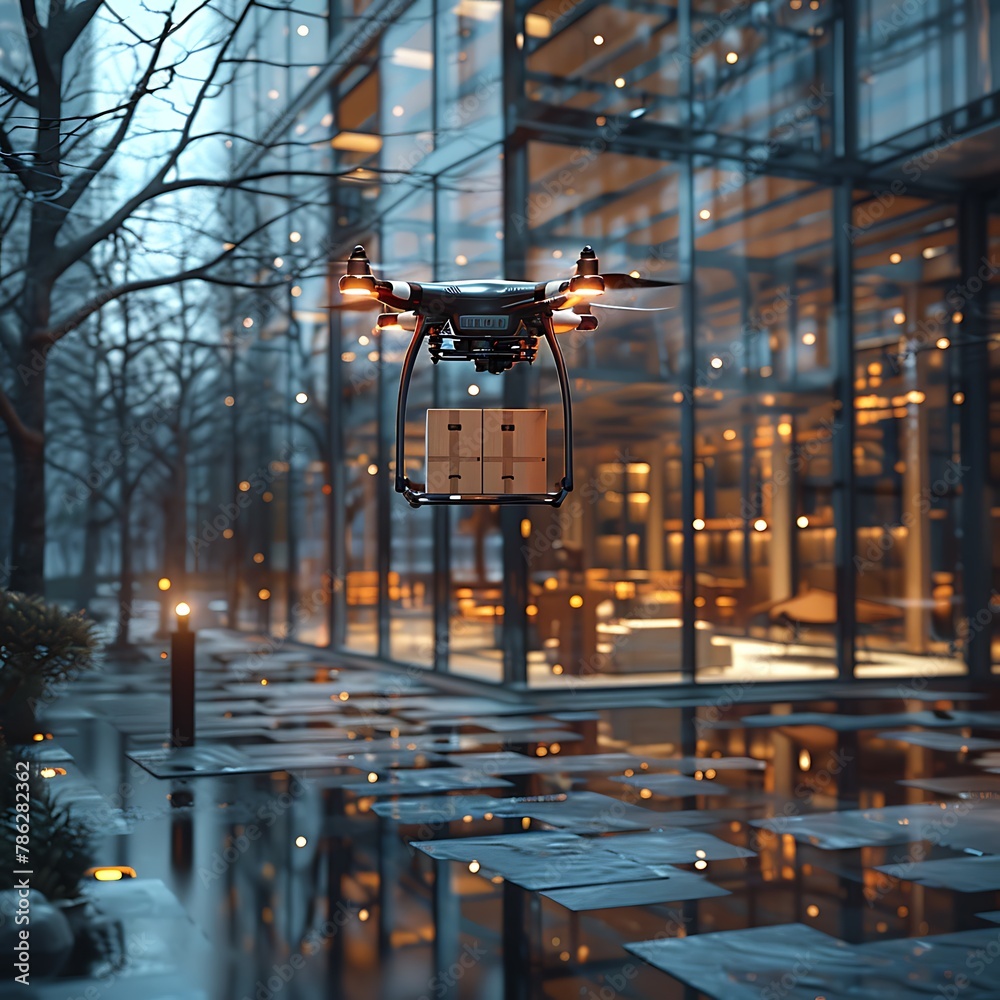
x,y
415,498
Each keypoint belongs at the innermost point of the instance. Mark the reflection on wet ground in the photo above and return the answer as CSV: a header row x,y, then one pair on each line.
x,y
340,832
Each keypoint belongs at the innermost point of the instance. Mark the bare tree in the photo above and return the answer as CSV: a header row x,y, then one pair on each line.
x,y
70,154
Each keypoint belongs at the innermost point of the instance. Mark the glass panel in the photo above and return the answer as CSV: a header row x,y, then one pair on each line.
x,y
471,246
359,415
606,59
604,569
906,459
764,416
764,72
407,235
917,62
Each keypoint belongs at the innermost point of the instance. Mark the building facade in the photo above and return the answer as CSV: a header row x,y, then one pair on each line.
x,y
784,467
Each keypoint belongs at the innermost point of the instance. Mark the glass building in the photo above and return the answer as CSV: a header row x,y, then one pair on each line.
x,y
784,466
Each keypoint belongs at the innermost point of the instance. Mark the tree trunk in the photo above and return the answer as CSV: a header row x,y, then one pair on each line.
x,y
92,531
28,529
126,577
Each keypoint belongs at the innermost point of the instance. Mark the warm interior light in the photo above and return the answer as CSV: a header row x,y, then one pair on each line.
x,y
537,25
264,594
230,401
598,39
182,610
111,873
163,583
301,397
620,82
802,521
357,142
895,258
899,318
413,58
760,524
716,362
729,434
942,343
461,260
731,58
576,601
301,841
704,214
698,524
809,339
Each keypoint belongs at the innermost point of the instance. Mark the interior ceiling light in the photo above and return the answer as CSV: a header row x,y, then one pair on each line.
x,y
357,142
477,10
537,25
412,58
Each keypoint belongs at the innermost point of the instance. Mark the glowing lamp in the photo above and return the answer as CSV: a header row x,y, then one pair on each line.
x,y
389,321
111,873
357,284
586,285
183,612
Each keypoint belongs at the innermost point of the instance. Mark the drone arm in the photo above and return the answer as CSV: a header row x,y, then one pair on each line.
x,y
398,294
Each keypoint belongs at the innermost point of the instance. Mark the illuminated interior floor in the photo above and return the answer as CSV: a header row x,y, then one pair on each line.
x,y
349,833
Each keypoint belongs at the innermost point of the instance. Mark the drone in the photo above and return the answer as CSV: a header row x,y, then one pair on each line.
x,y
489,456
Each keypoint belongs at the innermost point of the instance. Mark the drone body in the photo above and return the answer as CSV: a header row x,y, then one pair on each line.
x,y
495,325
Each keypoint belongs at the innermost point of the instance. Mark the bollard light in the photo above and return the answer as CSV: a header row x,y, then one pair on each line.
x,y
182,646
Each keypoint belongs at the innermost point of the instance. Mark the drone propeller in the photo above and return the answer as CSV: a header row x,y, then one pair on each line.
x,y
635,309
616,281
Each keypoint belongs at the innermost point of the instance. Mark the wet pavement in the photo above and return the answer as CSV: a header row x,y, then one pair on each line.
x,y
343,832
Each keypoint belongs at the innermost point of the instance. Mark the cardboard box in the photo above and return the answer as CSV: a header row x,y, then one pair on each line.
x,y
514,451
454,451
